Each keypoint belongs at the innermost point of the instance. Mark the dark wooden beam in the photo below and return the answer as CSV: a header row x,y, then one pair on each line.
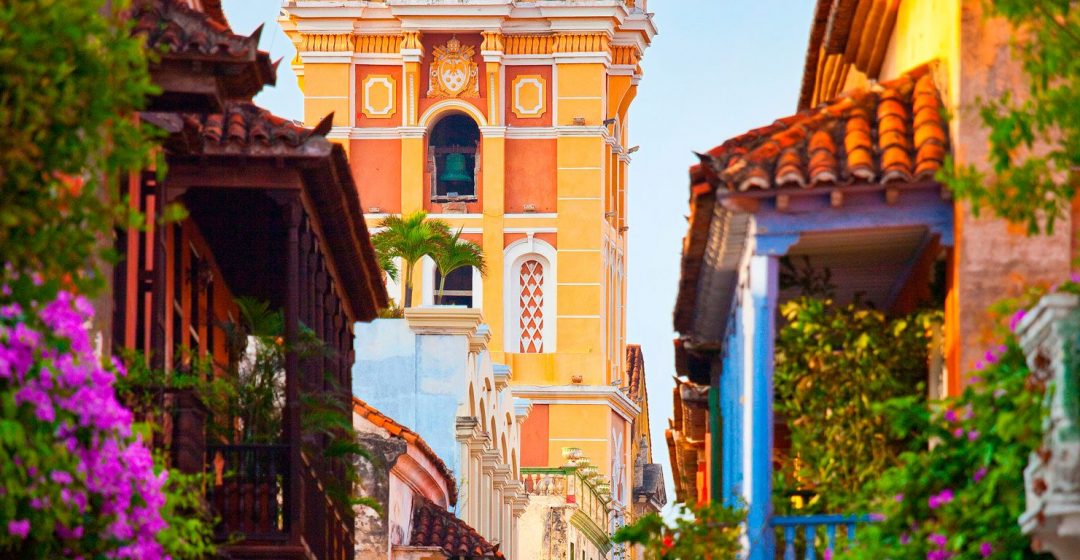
x,y
238,175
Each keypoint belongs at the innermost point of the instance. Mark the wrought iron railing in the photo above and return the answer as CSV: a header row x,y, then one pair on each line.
x,y
801,533
250,490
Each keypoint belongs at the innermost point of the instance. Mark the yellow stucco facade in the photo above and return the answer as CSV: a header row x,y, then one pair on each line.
x,y
546,89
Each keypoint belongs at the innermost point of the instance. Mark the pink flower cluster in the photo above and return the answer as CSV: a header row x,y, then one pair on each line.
x,y
53,370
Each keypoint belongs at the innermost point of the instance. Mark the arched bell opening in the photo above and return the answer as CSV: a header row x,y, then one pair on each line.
x,y
453,162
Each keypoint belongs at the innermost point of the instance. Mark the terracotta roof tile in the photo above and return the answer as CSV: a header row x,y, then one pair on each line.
x,y
371,414
893,132
173,26
178,32
246,124
434,526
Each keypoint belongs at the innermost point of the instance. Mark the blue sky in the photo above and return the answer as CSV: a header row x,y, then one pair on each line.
x,y
718,68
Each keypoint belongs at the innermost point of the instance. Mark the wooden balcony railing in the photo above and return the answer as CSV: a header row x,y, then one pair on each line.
x,y
326,532
811,527
250,490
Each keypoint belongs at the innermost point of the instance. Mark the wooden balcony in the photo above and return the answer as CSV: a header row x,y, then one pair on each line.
x,y
252,495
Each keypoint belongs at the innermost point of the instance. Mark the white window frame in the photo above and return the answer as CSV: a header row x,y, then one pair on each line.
x,y
428,287
516,253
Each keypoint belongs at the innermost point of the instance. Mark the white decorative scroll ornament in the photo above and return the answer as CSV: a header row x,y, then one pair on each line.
x,y
453,72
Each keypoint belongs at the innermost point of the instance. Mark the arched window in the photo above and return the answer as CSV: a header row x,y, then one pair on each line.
x,y
530,292
531,304
452,158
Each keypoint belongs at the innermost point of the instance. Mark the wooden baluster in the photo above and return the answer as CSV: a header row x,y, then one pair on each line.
x,y
789,542
809,533
830,530
850,534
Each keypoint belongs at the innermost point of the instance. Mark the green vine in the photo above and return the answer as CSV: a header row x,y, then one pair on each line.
x,y
1034,138
837,367
71,81
959,494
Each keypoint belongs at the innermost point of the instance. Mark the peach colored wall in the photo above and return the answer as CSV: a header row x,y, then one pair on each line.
x,y
362,71
376,166
512,72
437,40
530,175
534,437
994,260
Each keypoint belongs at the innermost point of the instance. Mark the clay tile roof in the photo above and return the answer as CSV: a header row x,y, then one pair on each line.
x,y
177,31
371,414
434,526
245,125
635,372
893,132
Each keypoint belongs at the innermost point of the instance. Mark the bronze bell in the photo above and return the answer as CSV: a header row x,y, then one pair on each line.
x,y
456,169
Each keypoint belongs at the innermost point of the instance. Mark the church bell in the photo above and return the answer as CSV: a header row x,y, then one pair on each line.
x,y
456,169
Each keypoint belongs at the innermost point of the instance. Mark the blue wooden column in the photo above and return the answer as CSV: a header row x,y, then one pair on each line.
x,y
760,319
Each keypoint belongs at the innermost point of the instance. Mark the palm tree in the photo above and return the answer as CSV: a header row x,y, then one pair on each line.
x,y
410,238
454,253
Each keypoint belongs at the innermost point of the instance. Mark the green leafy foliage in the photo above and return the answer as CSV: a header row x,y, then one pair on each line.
x,y
706,531
454,253
958,494
1034,138
836,368
71,80
412,237
189,534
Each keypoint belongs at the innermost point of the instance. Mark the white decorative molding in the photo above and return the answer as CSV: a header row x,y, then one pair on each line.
x,y
375,133
530,132
377,59
451,105
316,57
427,280
580,394
444,320
1048,335
530,230
379,100
524,88
525,216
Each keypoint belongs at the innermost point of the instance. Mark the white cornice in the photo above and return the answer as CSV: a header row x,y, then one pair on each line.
x,y
622,70
530,132
583,58
444,320
315,57
551,215
374,133
377,59
325,19
581,394
528,59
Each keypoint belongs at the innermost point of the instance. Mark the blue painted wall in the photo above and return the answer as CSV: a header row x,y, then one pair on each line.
x,y
419,381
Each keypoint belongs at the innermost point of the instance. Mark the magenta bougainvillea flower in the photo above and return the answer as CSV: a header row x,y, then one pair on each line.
x,y
941,498
95,491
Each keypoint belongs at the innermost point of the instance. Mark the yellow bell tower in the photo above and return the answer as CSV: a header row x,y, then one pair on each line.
x,y
507,119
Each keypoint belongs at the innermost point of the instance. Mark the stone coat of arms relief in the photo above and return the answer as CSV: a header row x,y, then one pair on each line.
x,y
453,72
